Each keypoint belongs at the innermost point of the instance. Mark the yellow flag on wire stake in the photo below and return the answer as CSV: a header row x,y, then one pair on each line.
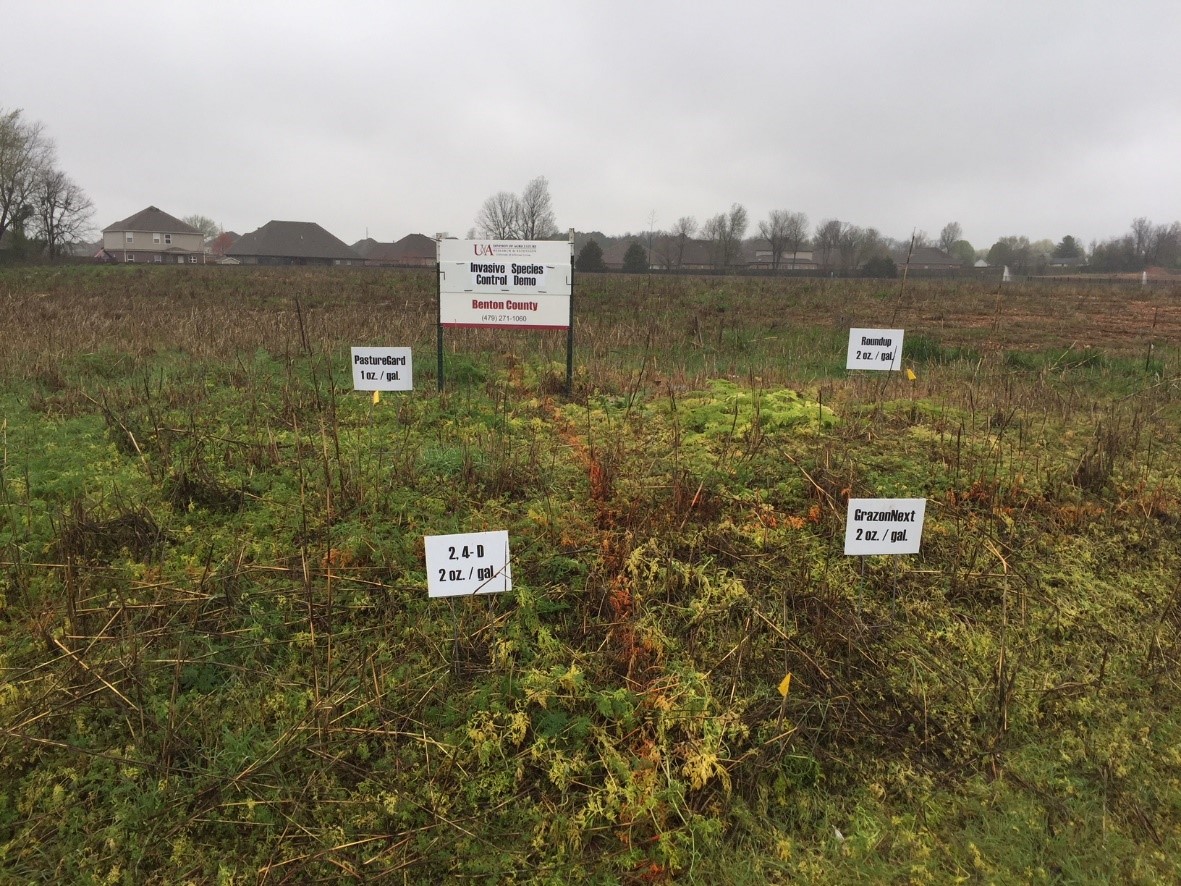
x,y
910,374
377,396
785,685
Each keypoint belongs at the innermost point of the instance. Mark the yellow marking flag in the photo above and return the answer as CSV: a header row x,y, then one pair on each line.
x,y
377,396
785,685
910,374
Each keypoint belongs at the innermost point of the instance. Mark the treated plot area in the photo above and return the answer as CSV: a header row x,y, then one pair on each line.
x,y
220,663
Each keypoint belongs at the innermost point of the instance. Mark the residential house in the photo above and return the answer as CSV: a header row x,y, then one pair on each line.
x,y
153,236
291,243
413,250
673,253
364,247
926,258
1059,263
761,258
223,241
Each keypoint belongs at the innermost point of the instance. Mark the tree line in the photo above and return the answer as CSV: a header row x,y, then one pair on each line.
x,y
833,244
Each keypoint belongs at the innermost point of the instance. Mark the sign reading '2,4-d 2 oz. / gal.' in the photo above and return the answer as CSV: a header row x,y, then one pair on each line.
x,y
884,525
509,283
382,369
468,563
874,349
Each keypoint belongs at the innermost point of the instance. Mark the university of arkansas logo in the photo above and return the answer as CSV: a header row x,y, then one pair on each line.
x,y
482,249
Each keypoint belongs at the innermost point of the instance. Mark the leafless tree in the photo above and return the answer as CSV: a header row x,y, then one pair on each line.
x,y
949,235
673,244
772,229
208,227
783,230
505,216
63,211
25,151
849,243
858,245
1142,237
828,243
1166,245
725,231
499,217
535,212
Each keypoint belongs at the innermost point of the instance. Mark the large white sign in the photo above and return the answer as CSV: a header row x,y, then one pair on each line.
x,y
884,525
874,349
382,369
511,283
468,563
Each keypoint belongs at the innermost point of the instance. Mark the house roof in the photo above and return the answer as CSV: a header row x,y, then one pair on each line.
x,y
289,239
412,247
364,247
696,252
154,220
926,255
613,254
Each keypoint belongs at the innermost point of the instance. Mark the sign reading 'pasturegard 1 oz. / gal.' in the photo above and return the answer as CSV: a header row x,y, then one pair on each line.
x,y
468,563
874,349
382,369
884,525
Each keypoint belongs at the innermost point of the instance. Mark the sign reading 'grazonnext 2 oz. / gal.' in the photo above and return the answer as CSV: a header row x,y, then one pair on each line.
x,y
884,525
509,283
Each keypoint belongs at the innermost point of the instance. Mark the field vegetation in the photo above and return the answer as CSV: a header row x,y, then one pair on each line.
x,y
218,662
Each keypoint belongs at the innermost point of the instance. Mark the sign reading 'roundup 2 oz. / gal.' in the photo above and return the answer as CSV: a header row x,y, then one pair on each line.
x,y
506,283
874,349
884,525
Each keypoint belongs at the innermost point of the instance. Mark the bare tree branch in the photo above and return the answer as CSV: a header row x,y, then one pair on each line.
x,y
25,151
499,217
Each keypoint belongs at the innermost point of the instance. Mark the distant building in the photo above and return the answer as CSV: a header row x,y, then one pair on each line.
x,y
291,243
223,241
672,253
1072,263
153,236
763,260
364,247
926,258
414,250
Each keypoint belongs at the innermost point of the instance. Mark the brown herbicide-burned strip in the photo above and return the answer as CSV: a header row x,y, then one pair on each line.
x,y
218,660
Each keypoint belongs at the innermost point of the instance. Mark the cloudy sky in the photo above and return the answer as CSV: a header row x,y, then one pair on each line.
x,y
1040,119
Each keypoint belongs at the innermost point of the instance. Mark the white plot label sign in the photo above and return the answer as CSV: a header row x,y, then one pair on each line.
x,y
874,349
884,525
468,563
382,369
509,283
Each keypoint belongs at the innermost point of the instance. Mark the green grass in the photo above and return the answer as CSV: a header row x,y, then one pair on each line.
x,y
220,663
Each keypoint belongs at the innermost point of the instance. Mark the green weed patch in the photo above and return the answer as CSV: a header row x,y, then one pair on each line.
x,y
219,662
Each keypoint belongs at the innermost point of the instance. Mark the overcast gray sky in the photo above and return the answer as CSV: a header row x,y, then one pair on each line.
x,y
1040,119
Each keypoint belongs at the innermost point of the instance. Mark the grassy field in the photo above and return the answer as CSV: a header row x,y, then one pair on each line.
x,y
218,662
